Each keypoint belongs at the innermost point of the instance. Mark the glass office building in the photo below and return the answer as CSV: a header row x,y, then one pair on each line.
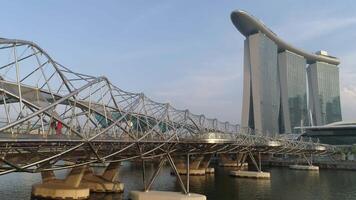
x,y
261,100
324,93
292,75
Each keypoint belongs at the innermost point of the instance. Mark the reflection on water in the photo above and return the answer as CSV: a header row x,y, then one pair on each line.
x,y
284,184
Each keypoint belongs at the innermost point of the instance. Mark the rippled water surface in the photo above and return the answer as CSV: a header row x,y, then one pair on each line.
x,y
284,184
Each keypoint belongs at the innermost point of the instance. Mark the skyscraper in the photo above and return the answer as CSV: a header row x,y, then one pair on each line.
x,y
324,93
292,76
261,86
275,83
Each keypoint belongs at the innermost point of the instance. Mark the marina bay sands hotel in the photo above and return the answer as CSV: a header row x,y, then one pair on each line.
x,y
285,87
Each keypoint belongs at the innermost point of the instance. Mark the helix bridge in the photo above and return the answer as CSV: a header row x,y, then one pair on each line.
x,y
52,118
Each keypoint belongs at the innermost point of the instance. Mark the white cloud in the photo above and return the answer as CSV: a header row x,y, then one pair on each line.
x,y
348,99
348,85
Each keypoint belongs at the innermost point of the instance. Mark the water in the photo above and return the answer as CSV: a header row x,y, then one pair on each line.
x,y
285,184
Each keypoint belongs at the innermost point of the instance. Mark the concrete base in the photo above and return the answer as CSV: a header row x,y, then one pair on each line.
x,y
194,172
234,164
243,166
209,170
304,167
251,174
97,183
57,189
162,195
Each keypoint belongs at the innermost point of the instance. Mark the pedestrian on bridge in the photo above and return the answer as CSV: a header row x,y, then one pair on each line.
x,y
59,128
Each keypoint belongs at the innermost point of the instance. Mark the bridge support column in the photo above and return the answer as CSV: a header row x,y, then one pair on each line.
x,y
227,161
204,164
105,182
47,176
166,195
241,161
259,174
69,188
196,165
309,167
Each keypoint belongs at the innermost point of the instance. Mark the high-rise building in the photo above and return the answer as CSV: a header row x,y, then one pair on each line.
x,y
292,77
275,84
324,93
261,86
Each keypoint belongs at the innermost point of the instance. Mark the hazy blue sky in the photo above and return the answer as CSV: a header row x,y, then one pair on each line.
x,y
184,52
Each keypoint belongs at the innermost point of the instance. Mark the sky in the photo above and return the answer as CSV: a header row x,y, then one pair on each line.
x,y
183,52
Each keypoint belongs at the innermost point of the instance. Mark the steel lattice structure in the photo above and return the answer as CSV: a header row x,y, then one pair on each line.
x,y
50,114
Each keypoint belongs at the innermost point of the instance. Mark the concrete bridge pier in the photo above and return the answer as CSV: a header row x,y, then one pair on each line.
x,y
79,182
69,188
205,164
227,160
199,165
105,182
308,167
147,194
259,174
241,161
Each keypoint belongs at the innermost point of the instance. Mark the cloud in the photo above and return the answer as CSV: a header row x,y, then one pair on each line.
x,y
348,85
348,96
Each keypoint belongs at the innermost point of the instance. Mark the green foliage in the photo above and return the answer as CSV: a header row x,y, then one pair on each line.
x,y
353,149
